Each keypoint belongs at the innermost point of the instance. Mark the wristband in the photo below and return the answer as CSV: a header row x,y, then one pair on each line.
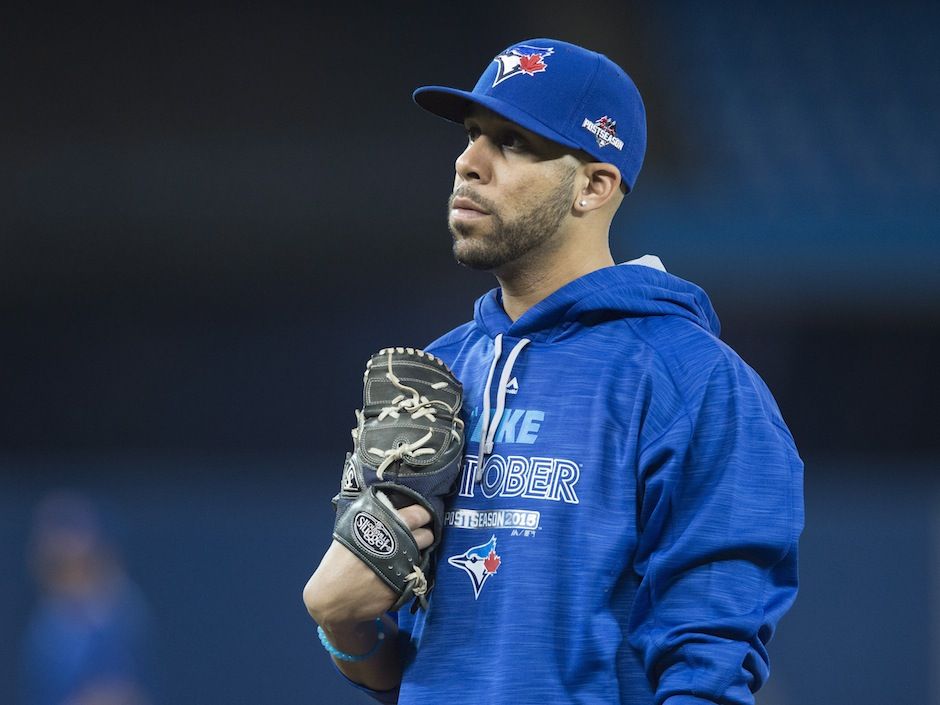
x,y
342,655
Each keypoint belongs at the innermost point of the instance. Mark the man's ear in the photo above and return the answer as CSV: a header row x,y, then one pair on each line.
x,y
602,183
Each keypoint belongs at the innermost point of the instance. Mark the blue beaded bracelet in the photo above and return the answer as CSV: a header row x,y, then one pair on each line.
x,y
342,655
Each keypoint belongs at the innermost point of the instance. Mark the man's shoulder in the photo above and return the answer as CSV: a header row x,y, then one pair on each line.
x,y
694,358
447,345
678,340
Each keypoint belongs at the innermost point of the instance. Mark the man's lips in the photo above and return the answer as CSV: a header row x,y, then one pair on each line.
x,y
465,208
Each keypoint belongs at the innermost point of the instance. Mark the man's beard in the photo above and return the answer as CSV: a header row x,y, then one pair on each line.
x,y
509,241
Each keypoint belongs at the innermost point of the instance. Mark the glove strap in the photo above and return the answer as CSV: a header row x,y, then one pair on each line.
x,y
342,655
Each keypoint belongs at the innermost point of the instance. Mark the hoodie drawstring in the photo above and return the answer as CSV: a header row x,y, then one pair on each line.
x,y
497,351
490,426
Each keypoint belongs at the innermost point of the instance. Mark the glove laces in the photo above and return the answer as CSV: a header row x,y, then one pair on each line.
x,y
420,581
418,406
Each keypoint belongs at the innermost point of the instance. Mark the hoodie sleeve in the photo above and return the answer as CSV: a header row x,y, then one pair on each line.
x,y
720,512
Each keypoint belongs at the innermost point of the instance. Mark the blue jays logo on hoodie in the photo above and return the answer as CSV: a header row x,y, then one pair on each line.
x,y
521,59
479,562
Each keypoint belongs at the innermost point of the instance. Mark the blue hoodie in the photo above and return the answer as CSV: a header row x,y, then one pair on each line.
x,y
631,533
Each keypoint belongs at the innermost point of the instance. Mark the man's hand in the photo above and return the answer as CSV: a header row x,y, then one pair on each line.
x,y
345,596
407,449
344,591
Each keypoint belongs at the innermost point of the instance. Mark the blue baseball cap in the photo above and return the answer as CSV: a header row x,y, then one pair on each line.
x,y
563,92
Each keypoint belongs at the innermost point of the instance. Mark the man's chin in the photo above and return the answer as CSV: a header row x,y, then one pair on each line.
x,y
463,228
467,243
473,258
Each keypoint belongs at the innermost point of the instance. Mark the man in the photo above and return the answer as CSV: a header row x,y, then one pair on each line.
x,y
89,640
625,529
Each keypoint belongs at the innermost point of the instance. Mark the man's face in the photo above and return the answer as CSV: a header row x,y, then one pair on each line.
x,y
513,191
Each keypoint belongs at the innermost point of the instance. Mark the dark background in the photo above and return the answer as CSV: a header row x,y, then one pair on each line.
x,y
211,216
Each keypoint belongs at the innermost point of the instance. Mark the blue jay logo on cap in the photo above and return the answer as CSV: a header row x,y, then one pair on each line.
x,y
521,59
604,130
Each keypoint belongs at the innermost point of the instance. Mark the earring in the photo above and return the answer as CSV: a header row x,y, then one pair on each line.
x,y
582,203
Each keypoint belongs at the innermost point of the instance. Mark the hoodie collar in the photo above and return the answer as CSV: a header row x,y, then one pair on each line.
x,y
620,291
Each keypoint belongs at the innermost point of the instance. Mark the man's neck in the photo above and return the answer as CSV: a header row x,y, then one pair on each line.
x,y
530,282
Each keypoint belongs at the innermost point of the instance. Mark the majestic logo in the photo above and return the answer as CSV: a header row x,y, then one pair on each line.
x,y
479,562
521,59
373,535
604,130
512,387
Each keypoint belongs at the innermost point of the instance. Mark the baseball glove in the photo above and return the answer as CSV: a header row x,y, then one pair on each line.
x,y
407,449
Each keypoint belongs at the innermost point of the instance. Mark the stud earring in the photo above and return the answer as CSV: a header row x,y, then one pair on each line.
x,y
582,203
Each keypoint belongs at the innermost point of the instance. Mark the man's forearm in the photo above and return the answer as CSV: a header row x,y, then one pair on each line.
x,y
382,670
344,596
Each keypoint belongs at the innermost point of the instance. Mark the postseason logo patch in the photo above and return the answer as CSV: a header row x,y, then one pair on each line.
x,y
604,130
521,60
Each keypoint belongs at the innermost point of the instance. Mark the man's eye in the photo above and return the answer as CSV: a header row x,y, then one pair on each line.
x,y
472,133
514,141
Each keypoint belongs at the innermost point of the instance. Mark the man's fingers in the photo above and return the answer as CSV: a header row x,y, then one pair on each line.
x,y
423,537
414,516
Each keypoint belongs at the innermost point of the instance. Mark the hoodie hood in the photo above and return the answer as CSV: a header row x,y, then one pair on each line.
x,y
633,289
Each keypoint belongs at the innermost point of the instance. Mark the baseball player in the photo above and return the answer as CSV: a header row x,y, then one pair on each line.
x,y
622,520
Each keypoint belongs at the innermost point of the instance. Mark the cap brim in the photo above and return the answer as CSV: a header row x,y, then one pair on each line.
x,y
454,104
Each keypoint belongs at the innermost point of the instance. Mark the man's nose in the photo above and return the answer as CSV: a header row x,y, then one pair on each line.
x,y
473,164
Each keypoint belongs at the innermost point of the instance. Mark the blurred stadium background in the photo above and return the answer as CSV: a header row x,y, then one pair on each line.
x,y
212,216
